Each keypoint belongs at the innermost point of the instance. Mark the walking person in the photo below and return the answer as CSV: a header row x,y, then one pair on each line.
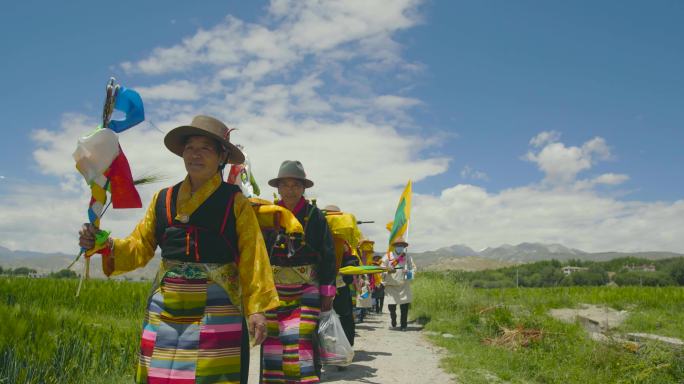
x,y
364,300
378,288
397,281
214,270
342,304
304,273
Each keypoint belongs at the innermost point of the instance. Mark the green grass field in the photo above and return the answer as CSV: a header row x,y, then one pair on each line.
x,y
50,336
565,353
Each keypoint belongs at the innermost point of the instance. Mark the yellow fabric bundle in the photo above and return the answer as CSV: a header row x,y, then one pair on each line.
x,y
270,216
345,233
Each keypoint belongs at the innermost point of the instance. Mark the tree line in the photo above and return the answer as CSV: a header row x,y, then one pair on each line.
x,y
549,273
25,271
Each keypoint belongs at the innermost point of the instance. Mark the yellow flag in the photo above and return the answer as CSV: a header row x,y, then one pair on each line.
x,y
401,216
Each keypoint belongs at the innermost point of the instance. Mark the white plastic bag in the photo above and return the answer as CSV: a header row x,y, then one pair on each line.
x,y
333,344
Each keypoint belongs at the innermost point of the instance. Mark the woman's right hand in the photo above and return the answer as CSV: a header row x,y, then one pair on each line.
x,y
86,236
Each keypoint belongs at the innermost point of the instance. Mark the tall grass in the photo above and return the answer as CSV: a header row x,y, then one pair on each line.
x,y
565,354
50,336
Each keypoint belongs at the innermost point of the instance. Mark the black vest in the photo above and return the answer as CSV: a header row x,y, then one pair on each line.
x,y
209,236
299,252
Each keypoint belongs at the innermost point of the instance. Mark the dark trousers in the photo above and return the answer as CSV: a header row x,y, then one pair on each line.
x,y
343,307
379,302
404,314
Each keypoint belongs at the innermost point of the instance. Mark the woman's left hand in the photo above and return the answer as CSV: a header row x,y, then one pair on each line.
x,y
256,324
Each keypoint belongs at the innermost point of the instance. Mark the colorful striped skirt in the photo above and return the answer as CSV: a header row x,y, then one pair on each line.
x,y
288,352
192,333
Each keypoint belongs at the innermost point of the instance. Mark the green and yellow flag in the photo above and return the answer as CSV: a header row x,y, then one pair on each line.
x,y
399,225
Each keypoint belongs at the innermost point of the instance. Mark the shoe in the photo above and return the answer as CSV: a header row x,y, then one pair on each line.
x,y
339,368
403,329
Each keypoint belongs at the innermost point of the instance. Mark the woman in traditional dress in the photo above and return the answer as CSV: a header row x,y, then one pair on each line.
x,y
397,281
304,274
214,271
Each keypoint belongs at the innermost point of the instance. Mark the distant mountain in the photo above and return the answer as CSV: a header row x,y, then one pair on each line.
x,y
457,256
459,249
461,256
53,262
441,255
529,252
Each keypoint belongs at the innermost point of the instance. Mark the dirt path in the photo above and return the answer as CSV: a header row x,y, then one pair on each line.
x,y
382,356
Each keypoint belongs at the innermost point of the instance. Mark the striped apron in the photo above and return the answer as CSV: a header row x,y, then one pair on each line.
x,y
288,352
192,332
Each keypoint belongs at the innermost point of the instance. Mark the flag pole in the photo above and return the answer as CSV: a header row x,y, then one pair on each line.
x,y
408,226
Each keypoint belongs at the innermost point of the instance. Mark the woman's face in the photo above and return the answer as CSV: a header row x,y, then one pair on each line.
x,y
291,189
201,157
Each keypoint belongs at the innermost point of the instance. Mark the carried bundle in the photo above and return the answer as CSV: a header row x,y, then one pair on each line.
x,y
278,221
345,232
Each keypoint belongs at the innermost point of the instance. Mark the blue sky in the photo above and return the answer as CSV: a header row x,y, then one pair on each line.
x,y
519,121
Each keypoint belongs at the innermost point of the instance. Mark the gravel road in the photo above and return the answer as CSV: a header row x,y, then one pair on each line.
x,y
383,356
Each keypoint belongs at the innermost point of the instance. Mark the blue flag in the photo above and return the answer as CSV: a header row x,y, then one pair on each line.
x,y
129,102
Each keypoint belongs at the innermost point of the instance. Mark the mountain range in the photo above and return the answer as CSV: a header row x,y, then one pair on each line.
x,y
456,256
527,253
52,262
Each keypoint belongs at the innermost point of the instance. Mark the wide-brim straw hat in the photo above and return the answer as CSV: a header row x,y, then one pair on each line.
x,y
291,169
208,126
400,241
332,208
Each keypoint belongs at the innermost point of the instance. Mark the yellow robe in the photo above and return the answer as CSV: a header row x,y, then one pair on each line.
x,y
254,269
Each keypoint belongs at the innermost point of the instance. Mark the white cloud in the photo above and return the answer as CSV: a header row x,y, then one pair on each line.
x,y
301,84
611,179
391,102
467,172
604,179
174,90
562,164
53,155
296,31
544,138
582,219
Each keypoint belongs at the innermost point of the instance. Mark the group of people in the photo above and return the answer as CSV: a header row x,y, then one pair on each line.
x,y
227,278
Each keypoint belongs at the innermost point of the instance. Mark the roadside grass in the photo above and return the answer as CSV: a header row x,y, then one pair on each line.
x,y
564,353
50,336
